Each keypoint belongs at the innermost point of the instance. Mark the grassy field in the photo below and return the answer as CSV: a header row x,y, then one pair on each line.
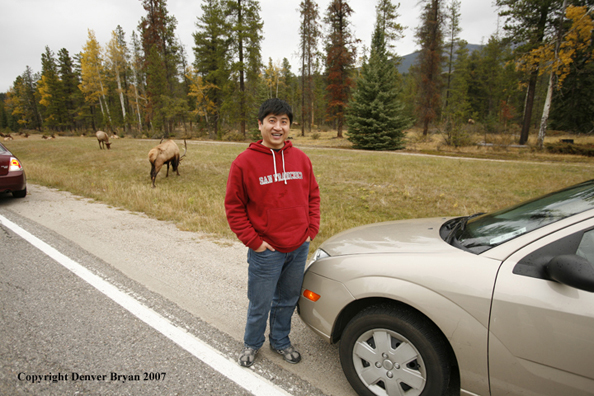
x,y
357,187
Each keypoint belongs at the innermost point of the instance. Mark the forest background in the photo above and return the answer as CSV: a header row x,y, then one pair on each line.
x,y
536,73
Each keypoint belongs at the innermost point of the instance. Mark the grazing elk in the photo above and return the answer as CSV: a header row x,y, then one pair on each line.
x,y
165,153
102,138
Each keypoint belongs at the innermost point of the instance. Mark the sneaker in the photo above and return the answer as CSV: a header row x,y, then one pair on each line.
x,y
290,354
247,356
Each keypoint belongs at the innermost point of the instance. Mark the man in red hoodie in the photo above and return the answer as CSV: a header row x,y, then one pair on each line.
x,y
273,206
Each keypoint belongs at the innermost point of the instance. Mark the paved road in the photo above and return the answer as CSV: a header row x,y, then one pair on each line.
x,y
59,334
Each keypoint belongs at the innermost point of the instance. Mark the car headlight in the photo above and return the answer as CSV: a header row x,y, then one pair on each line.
x,y
318,255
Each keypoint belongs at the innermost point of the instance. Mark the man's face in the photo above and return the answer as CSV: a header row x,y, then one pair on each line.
x,y
274,129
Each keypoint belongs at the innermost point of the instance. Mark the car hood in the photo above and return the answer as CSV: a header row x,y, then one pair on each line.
x,y
403,236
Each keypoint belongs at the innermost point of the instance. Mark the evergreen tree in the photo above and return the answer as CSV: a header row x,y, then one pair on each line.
x,y
493,82
457,109
49,88
452,32
375,117
212,60
23,101
70,91
246,35
340,61
4,123
430,37
387,13
289,83
161,59
310,33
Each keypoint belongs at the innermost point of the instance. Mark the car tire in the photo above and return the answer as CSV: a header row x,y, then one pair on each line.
x,y
387,350
20,194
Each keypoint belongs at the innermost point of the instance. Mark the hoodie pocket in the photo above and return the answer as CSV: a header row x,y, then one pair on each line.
x,y
287,225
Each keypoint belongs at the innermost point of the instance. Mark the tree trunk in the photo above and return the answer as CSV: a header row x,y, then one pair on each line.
x,y
545,112
528,108
547,106
121,96
242,114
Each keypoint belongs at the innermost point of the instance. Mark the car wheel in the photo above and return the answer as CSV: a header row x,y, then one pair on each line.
x,y
20,194
394,351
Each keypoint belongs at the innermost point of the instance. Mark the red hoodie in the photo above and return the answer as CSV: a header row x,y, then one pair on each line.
x,y
273,196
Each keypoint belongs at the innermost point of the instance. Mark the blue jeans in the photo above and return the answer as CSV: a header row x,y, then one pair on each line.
x,y
274,285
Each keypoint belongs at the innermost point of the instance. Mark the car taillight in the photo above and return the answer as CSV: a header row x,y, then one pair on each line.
x,y
15,165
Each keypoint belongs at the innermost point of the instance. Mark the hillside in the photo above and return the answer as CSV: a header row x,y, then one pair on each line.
x,y
408,60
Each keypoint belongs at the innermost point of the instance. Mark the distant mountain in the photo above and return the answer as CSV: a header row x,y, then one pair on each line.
x,y
408,60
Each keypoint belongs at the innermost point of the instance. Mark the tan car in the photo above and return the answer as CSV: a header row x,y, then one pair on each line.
x,y
491,304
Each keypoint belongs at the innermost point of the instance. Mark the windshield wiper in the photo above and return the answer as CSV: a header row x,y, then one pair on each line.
x,y
460,226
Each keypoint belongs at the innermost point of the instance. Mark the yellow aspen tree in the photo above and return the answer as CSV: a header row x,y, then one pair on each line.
x,y
91,75
199,89
556,57
271,77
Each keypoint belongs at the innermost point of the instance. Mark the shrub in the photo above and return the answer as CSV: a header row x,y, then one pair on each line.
x,y
458,135
569,148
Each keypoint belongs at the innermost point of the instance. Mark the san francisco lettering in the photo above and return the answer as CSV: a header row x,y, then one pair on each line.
x,y
280,177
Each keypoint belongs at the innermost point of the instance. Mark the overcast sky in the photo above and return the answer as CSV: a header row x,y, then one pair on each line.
x,y
28,26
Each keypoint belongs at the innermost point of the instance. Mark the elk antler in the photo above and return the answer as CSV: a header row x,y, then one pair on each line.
x,y
185,150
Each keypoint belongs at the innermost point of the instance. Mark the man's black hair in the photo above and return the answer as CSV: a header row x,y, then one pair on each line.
x,y
275,107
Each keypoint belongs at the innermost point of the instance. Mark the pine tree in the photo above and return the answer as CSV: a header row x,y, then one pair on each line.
x,y
289,83
457,109
493,82
340,61
387,14
375,118
23,101
310,33
246,35
161,59
4,123
430,37
49,88
453,32
212,60
70,91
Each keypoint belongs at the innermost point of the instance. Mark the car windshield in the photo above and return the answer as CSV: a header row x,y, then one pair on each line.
x,y
480,233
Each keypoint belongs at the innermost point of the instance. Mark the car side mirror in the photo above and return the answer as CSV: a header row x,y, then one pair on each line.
x,y
572,270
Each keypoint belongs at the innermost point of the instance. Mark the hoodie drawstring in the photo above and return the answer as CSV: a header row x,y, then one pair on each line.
x,y
274,163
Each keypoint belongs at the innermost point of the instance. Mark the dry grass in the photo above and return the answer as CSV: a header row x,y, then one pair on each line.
x,y
357,187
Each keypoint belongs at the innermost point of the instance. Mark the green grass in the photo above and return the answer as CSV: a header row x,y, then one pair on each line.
x,y
357,187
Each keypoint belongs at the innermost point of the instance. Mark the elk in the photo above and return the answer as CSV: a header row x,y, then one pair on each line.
x,y
102,138
165,153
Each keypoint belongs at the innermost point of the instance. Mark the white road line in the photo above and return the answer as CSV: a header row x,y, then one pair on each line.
x,y
243,377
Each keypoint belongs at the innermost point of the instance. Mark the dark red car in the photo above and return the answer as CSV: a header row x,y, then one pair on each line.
x,y
12,174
